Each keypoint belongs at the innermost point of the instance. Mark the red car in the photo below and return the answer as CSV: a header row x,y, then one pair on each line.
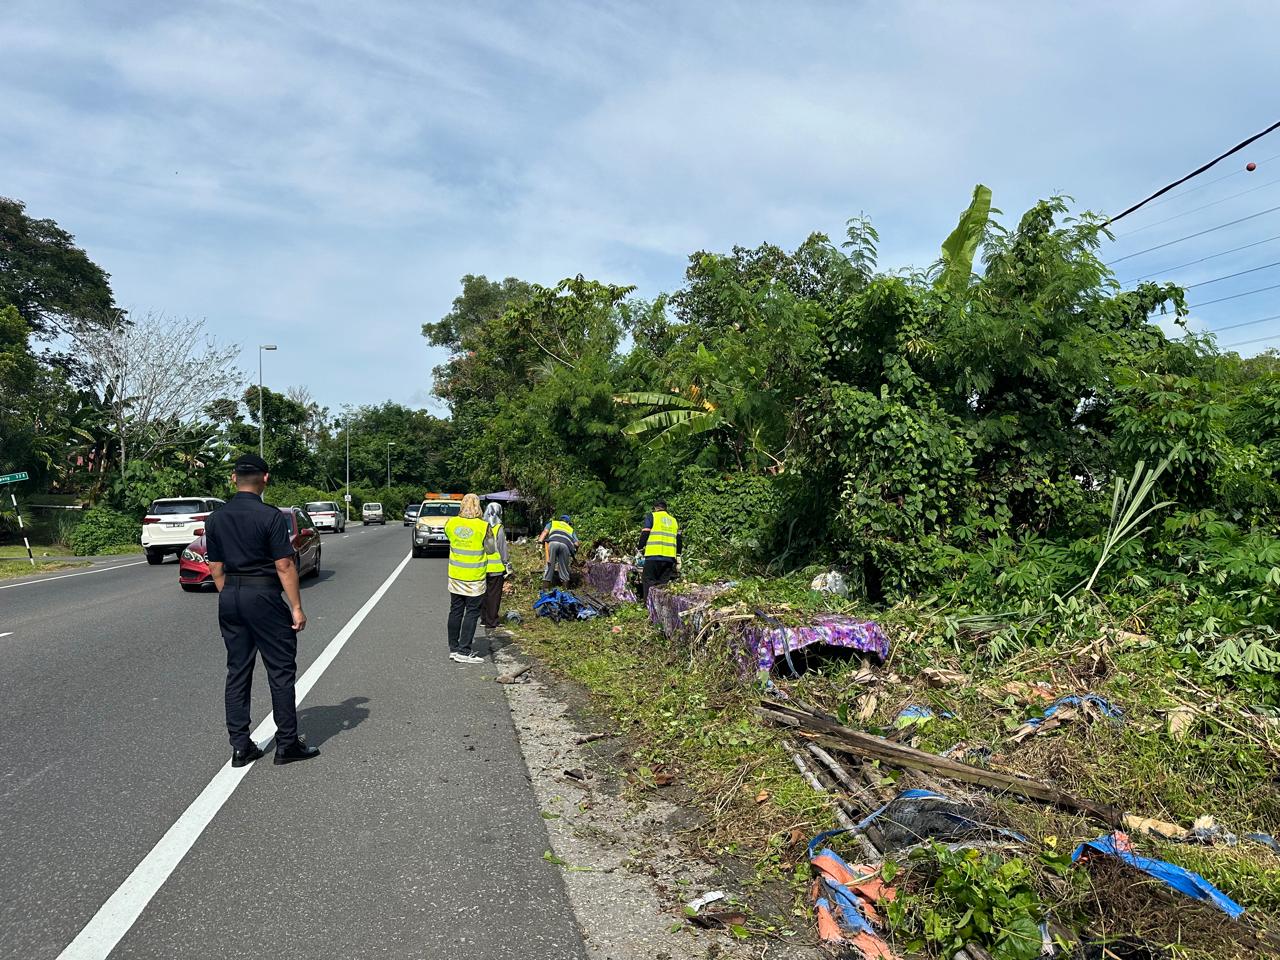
x,y
193,567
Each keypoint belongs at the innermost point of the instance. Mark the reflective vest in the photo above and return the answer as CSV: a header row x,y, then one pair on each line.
x,y
662,536
493,561
560,532
466,548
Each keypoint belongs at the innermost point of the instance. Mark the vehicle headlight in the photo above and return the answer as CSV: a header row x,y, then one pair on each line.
x,y
192,556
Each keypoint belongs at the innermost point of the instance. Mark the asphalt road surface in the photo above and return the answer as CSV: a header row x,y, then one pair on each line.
x,y
124,833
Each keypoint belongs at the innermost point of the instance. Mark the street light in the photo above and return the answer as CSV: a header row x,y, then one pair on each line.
x,y
347,430
390,444
261,347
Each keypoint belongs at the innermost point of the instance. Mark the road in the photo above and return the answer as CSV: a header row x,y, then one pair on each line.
x,y
414,835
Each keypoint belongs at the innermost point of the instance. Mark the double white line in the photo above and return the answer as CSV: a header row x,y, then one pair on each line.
x,y
122,909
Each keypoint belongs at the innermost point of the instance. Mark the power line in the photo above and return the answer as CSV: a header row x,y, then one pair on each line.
x,y
1231,276
1206,206
1246,323
1210,183
1192,236
1243,343
1194,173
1234,296
1192,263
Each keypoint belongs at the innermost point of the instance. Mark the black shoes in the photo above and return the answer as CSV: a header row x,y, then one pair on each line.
x,y
298,750
242,758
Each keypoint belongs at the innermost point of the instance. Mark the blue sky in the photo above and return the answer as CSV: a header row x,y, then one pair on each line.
x,y
321,174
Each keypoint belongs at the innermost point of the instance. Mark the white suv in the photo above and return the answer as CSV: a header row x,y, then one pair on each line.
x,y
327,515
172,523
372,513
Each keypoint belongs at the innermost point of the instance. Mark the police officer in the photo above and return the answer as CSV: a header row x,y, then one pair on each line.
x,y
251,560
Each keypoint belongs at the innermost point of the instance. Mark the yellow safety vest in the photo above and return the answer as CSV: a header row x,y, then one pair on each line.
x,y
560,532
466,548
493,561
662,536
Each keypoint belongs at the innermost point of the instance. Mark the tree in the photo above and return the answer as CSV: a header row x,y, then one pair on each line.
x,y
53,284
155,375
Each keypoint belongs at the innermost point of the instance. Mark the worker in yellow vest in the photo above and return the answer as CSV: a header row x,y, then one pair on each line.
x,y
661,542
561,544
471,544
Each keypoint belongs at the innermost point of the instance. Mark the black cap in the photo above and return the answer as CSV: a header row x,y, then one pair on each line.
x,y
248,463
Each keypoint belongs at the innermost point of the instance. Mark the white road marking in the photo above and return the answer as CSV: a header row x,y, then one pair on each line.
x,y
82,573
122,909
9,634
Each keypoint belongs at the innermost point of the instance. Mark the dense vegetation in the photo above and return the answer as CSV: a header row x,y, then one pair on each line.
x,y
114,410
935,433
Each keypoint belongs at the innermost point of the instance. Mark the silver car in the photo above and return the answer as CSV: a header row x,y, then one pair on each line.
x,y
327,515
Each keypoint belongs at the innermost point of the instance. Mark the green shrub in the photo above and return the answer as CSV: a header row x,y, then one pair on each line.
x,y
616,525
101,529
729,521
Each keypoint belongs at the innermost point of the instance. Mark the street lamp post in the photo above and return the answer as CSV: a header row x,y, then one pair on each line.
x,y
261,347
390,444
347,430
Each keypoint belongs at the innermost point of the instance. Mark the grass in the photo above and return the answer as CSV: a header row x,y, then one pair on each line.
x,y
691,712
13,560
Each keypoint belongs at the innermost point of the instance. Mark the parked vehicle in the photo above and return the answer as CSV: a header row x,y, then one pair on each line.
x,y
372,513
327,515
411,514
170,524
193,567
428,529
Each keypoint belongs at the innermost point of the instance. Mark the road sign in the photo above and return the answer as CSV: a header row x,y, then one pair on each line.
x,y
346,497
14,477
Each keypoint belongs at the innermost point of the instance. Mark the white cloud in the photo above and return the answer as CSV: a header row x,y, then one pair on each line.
x,y
323,174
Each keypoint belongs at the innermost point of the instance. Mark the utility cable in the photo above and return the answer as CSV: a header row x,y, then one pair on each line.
x,y
1246,323
1192,236
1205,206
1242,343
1192,263
1210,183
1231,276
1194,173
1234,296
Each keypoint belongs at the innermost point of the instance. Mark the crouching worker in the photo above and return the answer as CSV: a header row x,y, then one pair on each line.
x,y
561,544
470,546
661,542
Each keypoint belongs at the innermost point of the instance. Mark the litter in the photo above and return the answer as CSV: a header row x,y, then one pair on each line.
x,y
562,605
832,582
845,899
915,713
1266,839
711,896
513,616
1193,885
917,816
1065,709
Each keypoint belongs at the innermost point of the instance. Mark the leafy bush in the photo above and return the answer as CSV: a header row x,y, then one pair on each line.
x,y
102,529
729,520
616,525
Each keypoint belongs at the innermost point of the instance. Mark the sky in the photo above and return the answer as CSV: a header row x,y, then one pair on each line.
x,y
320,175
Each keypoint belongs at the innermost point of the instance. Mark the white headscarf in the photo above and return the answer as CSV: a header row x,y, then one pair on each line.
x,y
493,513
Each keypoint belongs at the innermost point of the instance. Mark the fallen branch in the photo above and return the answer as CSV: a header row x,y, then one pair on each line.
x,y
909,758
841,817
515,674
868,802
589,738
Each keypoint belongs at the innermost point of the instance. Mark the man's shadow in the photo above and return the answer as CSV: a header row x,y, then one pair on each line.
x,y
318,724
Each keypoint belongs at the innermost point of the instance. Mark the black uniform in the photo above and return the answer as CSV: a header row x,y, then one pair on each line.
x,y
248,536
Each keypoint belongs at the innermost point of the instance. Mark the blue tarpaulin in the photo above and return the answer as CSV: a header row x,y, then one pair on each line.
x,y
1092,699
1184,881
563,605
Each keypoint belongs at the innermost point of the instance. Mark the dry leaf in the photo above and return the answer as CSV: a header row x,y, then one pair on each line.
x,y
868,709
939,677
762,796
1180,721
664,779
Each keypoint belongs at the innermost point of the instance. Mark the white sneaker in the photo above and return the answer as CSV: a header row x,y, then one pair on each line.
x,y
466,658
455,656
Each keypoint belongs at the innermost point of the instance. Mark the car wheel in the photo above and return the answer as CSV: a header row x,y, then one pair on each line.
x,y
155,556
190,587
315,571
417,554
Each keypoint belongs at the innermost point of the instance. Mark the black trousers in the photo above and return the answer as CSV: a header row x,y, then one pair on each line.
x,y
254,619
492,600
463,614
656,572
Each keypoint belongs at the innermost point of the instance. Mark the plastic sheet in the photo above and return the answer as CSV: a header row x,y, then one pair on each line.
x,y
1184,881
1086,700
610,579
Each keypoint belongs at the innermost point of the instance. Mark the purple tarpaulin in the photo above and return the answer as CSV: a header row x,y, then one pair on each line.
x,y
610,579
503,496
759,644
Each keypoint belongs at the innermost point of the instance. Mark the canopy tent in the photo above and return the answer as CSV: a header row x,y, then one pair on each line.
x,y
504,496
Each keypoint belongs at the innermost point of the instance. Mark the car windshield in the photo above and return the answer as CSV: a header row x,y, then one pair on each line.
x,y
165,508
439,510
413,508
373,506
321,507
